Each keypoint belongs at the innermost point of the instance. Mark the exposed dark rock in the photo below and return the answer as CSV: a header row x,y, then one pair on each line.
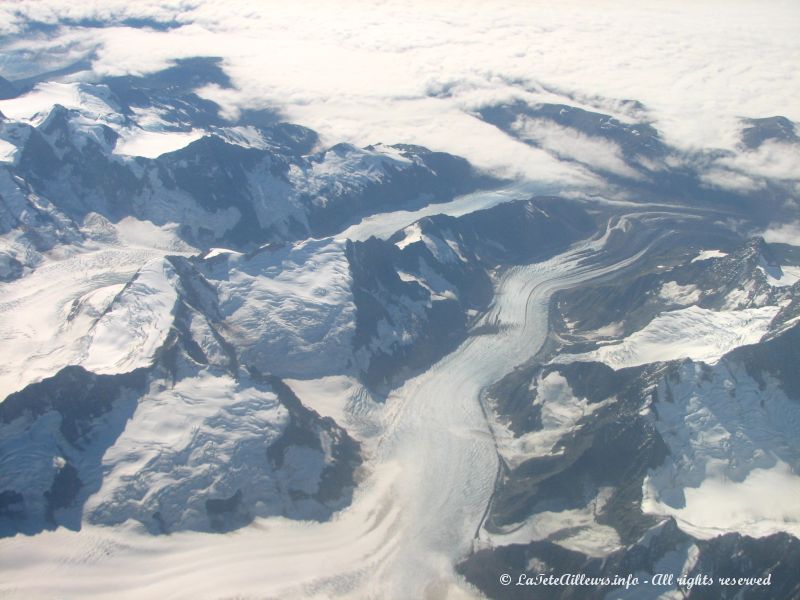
x,y
337,480
77,395
64,490
447,280
758,131
227,514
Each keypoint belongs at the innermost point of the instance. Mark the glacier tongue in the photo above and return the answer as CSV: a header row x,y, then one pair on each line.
x,y
436,428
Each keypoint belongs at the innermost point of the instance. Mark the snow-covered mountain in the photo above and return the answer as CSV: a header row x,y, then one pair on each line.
x,y
668,444
316,369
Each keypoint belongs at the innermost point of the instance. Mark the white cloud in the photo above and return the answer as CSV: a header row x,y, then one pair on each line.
x,y
783,233
729,180
15,15
570,143
773,159
748,170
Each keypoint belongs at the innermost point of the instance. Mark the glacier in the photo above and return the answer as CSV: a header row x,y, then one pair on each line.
x,y
246,358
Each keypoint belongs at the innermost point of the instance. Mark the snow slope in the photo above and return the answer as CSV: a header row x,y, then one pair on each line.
x,y
177,450
7,151
35,105
708,254
152,144
107,309
135,324
288,310
782,276
693,332
734,454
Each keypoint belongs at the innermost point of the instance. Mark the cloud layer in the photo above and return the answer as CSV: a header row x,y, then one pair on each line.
x,y
366,72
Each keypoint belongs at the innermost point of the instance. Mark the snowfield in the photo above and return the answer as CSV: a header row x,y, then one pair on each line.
x,y
178,441
151,144
7,151
134,325
36,104
709,254
693,332
782,276
106,309
289,310
150,140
